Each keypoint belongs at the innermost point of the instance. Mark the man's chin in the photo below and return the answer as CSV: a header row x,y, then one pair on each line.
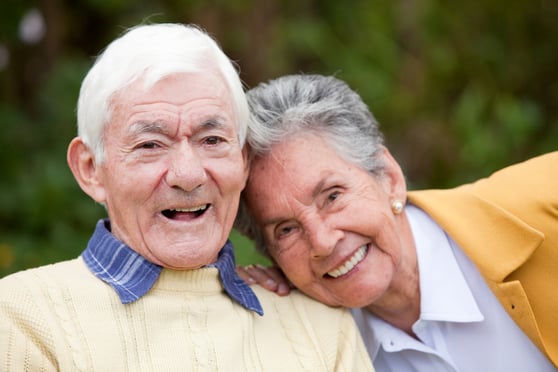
x,y
185,256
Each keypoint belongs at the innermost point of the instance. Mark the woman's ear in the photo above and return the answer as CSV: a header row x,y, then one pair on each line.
x,y
86,171
395,179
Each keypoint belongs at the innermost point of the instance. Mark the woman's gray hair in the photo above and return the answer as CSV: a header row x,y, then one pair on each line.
x,y
321,105
151,53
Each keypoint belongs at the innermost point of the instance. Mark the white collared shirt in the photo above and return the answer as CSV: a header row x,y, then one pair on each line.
x,y
462,326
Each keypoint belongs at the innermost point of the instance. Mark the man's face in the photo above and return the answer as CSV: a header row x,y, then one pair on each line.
x,y
173,169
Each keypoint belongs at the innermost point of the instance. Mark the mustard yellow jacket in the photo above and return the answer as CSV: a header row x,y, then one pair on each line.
x,y
508,226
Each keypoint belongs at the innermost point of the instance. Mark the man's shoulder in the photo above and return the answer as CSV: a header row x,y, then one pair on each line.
x,y
70,271
297,302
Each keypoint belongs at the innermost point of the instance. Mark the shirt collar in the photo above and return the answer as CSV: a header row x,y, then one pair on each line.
x,y
132,276
445,294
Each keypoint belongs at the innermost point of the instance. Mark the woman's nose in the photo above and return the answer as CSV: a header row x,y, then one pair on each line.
x,y
323,237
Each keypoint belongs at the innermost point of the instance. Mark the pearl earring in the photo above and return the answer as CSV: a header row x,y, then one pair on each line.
x,y
397,206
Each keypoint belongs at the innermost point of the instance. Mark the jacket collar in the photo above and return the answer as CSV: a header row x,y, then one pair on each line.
x,y
496,240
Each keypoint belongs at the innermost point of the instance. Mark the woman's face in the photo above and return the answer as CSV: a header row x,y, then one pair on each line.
x,y
327,223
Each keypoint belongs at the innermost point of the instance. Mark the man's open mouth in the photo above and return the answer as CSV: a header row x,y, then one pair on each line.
x,y
185,213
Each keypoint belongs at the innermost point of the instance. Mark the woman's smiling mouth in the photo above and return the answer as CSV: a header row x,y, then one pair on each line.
x,y
350,263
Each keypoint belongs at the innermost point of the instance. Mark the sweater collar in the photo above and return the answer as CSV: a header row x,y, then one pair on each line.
x,y
132,276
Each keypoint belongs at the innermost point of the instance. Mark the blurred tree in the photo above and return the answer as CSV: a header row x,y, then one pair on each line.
x,y
460,89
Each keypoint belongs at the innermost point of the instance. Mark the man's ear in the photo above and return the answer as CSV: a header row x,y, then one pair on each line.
x,y
396,184
246,156
81,161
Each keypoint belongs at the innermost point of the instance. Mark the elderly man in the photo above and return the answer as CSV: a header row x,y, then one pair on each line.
x,y
162,119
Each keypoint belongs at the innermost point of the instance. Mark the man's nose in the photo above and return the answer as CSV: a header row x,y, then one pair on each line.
x,y
186,168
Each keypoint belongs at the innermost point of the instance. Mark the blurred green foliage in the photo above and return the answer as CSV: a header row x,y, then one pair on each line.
x,y
460,89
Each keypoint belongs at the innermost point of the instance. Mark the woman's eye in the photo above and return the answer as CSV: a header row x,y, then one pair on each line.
x,y
332,196
284,230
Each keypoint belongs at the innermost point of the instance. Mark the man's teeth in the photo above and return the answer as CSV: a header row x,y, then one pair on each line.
x,y
350,263
192,209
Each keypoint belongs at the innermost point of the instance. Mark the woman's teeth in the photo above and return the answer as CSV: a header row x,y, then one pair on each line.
x,y
350,263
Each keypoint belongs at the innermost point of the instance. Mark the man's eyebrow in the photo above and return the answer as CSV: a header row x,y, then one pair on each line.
x,y
212,123
160,127
148,127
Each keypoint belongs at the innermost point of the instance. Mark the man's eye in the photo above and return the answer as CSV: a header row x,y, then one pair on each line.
x,y
148,145
213,140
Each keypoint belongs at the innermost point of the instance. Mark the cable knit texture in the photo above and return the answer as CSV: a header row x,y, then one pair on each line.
x,y
61,317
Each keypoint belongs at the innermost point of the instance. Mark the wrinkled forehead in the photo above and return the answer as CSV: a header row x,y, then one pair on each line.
x,y
290,168
209,82
200,93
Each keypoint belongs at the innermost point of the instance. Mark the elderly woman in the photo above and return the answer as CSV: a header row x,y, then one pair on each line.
x,y
439,280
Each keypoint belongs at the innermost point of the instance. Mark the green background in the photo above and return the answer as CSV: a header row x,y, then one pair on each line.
x,y
460,89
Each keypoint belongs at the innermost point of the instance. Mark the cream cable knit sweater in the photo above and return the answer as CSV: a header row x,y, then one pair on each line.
x,y
61,317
